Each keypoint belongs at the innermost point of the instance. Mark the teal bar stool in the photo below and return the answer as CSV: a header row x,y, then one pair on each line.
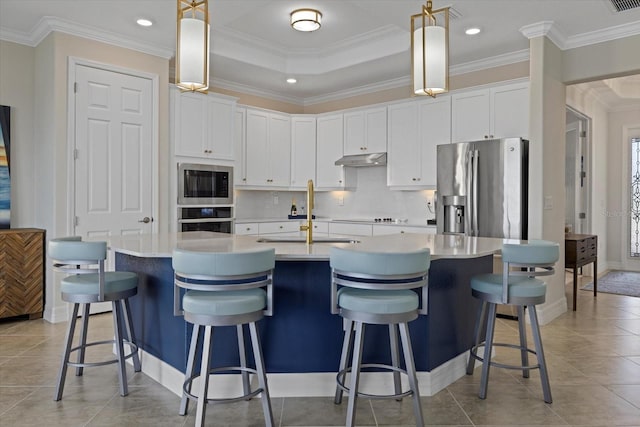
x,y
223,289
377,288
517,285
87,282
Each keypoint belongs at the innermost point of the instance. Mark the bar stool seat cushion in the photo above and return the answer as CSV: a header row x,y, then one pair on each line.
x,y
519,286
378,301
224,303
87,284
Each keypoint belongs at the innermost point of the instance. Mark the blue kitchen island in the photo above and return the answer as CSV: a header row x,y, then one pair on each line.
x,y
302,340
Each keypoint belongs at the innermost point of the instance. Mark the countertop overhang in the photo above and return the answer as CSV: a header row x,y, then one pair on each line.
x,y
161,245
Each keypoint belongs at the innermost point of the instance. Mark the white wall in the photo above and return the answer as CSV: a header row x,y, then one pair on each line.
x,y
370,199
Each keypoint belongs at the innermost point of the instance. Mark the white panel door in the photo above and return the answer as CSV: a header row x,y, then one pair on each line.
x,y
510,111
279,153
470,116
113,141
404,166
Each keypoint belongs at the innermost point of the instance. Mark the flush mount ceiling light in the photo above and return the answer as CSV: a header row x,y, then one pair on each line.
x,y
292,80
192,46
430,51
143,22
306,19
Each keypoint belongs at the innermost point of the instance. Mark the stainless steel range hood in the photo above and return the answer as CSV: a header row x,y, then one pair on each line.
x,y
359,160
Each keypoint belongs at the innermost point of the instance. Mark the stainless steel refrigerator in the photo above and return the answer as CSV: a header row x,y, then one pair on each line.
x,y
483,188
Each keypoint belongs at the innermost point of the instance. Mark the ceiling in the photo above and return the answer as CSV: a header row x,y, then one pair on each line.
x,y
363,45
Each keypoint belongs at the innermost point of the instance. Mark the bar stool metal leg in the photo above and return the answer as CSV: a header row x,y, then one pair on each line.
x,y
524,354
344,357
205,367
477,337
544,376
246,385
355,374
262,376
84,326
488,344
193,350
411,372
128,321
62,373
117,327
395,358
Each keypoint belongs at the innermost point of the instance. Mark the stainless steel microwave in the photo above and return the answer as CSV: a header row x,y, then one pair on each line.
x,y
200,184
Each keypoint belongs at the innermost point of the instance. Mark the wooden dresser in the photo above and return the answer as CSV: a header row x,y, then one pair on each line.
x,y
22,257
580,250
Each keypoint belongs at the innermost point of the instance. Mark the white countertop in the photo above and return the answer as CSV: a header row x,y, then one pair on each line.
x,y
441,246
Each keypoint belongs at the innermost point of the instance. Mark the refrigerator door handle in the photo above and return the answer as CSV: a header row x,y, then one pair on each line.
x,y
468,219
476,155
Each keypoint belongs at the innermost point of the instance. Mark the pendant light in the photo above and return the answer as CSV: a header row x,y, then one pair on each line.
x,y
430,51
192,46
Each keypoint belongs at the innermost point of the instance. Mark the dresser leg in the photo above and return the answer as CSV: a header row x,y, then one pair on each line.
x,y
595,277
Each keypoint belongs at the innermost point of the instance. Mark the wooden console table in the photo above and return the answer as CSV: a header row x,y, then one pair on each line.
x,y
22,272
580,250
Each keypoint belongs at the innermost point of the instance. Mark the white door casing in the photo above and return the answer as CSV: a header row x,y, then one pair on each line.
x,y
113,153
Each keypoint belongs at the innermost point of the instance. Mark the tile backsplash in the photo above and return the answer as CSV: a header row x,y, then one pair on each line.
x,y
372,198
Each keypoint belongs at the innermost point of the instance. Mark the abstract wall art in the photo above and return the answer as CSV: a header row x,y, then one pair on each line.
x,y
5,166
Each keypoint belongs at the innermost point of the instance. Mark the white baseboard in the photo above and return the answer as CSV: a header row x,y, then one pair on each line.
x,y
321,384
549,312
56,314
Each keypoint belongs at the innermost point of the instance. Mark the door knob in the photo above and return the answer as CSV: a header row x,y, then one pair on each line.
x,y
146,220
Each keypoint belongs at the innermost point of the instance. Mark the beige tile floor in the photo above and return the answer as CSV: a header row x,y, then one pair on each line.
x,y
593,356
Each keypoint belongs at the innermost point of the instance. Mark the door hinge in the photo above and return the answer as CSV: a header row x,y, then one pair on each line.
x,y
582,215
583,134
75,87
75,221
75,154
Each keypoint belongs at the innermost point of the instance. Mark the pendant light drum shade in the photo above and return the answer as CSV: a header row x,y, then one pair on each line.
x,y
430,72
192,50
430,51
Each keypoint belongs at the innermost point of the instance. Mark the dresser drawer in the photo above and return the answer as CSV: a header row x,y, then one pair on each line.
x,y
579,250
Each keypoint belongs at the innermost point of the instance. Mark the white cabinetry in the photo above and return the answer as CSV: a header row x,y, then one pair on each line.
x,y
497,112
383,230
267,149
286,228
203,125
415,129
247,228
329,148
303,150
350,229
365,131
239,170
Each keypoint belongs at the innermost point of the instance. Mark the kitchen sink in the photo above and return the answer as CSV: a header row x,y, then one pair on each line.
x,y
302,239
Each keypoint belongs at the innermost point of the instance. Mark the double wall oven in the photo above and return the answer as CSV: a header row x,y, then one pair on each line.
x,y
205,198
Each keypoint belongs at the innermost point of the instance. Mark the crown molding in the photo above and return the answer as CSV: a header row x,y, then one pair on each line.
x,y
49,24
547,29
360,90
492,62
251,90
600,36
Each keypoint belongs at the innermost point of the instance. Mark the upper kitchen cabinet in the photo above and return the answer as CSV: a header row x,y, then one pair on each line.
x,y
365,131
415,129
203,125
329,148
303,150
239,170
498,112
267,149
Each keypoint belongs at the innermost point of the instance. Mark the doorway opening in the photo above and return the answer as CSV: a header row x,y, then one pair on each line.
x,y
577,173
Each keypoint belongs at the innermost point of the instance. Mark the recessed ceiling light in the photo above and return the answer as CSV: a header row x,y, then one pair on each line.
x,y
291,80
472,31
144,22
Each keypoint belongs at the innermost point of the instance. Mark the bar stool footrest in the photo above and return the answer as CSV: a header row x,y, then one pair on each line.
x,y
341,376
474,354
132,347
248,396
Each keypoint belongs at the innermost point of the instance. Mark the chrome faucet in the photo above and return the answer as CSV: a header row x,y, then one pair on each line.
x,y
309,226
